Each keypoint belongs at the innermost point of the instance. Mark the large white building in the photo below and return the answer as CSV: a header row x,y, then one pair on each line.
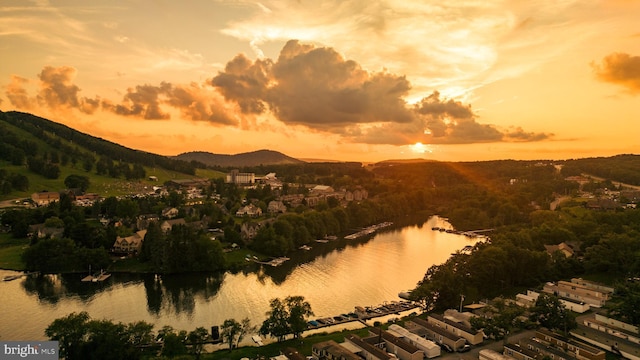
x,y
236,177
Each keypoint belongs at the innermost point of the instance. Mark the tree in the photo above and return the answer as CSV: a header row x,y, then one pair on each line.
x,y
197,338
285,317
549,312
246,328
77,181
299,311
173,344
229,332
70,332
628,308
277,322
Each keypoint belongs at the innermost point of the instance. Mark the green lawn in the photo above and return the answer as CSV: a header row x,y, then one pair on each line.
x,y
302,345
11,252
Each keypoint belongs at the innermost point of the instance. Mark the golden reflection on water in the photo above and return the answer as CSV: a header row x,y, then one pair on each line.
x,y
360,274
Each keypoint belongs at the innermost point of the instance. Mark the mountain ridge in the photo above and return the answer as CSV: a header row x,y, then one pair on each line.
x,y
246,159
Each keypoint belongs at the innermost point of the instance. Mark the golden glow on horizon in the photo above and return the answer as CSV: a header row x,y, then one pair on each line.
x,y
420,148
478,81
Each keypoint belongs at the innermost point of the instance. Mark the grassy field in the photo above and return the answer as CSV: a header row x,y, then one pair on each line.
x,y
103,185
302,345
11,251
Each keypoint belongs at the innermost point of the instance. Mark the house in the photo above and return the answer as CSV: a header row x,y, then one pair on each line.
x,y
364,349
321,190
428,347
545,351
143,221
488,354
275,207
593,285
435,333
577,293
169,213
564,248
577,348
249,230
515,351
611,335
42,231
249,210
331,350
45,197
130,244
393,345
530,298
472,336
167,225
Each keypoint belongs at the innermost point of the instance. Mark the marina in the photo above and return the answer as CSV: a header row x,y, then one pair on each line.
x,y
470,234
363,313
368,230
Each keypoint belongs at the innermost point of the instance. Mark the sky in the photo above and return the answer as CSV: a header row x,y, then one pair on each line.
x,y
464,80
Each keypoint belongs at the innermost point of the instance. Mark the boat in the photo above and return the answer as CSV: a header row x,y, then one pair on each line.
x,y
305,247
12,277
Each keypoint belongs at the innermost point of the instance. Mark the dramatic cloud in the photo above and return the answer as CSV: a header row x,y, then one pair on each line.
x,y
58,91
317,88
310,86
194,102
621,69
197,103
17,94
143,101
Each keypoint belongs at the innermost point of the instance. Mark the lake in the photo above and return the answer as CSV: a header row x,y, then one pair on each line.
x,y
333,277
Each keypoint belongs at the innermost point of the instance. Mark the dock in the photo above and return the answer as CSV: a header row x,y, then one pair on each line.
x,y
368,230
99,277
274,262
362,314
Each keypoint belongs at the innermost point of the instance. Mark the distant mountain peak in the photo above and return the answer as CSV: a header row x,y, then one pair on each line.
x,y
252,158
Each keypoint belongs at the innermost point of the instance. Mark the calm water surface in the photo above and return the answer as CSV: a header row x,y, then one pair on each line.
x,y
348,274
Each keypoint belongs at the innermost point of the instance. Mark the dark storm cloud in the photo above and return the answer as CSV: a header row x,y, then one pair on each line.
x,y
58,91
621,69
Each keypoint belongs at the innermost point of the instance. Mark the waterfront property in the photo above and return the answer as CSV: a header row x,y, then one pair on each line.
x,y
428,347
129,244
330,350
435,333
393,345
473,337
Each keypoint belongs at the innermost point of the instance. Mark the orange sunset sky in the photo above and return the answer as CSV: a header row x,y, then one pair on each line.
x,y
344,80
